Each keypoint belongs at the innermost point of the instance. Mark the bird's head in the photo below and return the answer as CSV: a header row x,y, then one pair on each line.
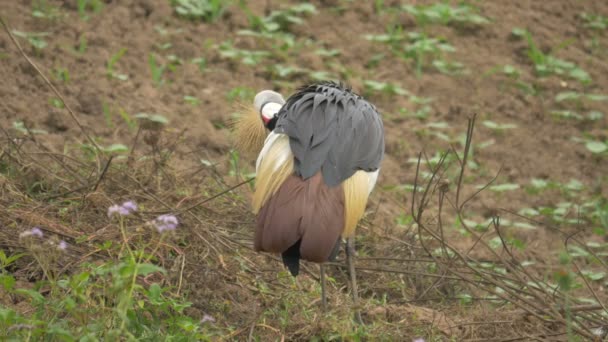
x,y
255,122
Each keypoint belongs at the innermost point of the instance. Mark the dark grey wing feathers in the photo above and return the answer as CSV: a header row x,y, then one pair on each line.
x,y
333,130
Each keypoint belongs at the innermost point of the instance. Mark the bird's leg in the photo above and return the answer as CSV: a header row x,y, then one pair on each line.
x,y
323,293
350,254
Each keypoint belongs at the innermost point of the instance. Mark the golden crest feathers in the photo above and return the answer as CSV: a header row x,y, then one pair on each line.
x,y
248,130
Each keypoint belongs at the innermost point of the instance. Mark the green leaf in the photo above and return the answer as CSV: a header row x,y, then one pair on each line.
x,y
7,281
539,183
145,269
575,185
151,121
595,276
596,146
524,225
528,212
36,297
595,115
504,187
116,148
441,124
567,96
597,97
519,32
154,294
497,126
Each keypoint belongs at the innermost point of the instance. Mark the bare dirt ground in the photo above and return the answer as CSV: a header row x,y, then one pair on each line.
x,y
243,291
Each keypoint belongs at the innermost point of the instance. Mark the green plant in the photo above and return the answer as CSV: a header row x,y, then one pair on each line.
x,y
419,48
42,9
207,10
596,146
85,6
579,97
592,115
580,102
594,21
275,27
192,100
62,74
497,126
281,20
201,62
156,70
240,94
35,39
600,216
8,260
104,300
20,127
55,102
547,64
384,87
444,14
110,71
247,57
82,44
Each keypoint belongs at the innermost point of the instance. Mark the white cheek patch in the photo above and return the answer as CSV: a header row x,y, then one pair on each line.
x,y
269,110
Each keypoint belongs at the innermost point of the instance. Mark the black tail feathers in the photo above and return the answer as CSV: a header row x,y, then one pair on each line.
x,y
291,258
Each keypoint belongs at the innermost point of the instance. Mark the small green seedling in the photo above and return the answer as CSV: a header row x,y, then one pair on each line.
x,y
192,100
7,260
547,64
55,102
594,21
85,6
275,27
42,9
597,146
20,127
419,48
497,126
206,10
82,44
384,87
35,39
61,74
151,121
201,62
327,53
247,57
282,20
444,14
579,97
110,71
156,70
240,94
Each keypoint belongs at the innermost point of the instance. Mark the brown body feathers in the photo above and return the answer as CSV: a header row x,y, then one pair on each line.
x,y
302,209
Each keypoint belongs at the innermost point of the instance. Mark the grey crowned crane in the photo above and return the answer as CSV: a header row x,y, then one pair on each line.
x,y
320,157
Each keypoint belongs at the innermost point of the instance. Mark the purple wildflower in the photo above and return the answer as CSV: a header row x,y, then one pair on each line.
x,y
207,318
165,222
123,210
37,232
130,206
32,232
62,245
